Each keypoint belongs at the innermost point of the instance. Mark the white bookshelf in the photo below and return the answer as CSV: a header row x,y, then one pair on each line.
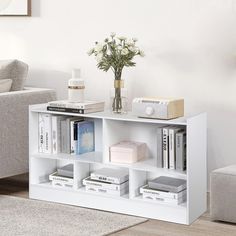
x,y
109,129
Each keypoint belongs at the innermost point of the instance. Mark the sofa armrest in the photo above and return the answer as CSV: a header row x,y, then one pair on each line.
x,y
14,127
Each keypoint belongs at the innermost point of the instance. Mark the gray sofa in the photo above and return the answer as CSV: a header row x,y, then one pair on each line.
x,y
14,121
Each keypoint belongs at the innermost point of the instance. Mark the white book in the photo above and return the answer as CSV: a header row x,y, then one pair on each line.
x,y
114,176
96,183
56,133
162,194
152,198
61,184
172,149
55,177
77,105
41,141
165,142
100,190
47,135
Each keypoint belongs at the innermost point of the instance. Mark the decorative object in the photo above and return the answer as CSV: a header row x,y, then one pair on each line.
x,y
115,53
30,217
158,108
128,152
15,8
76,87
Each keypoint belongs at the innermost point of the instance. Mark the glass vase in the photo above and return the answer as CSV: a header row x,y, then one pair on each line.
x,y
119,98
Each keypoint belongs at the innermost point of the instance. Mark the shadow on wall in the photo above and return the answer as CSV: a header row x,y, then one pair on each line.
x,y
57,80
35,8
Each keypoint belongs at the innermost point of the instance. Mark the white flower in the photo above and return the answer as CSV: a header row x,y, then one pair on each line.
x,y
124,51
135,40
90,52
122,38
113,34
141,53
130,42
133,49
99,47
99,57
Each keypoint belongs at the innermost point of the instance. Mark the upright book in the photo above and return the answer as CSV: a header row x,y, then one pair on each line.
x,y
66,134
85,136
56,133
172,146
165,143
45,133
181,151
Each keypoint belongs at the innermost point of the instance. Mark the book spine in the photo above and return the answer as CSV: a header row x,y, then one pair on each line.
x,y
159,148
72,138
171,149
54,135
115,187
41,141
61,178
106,191
76,105
63,136
63,109
61,184
48,133
165,148
151,197
157,193
181,151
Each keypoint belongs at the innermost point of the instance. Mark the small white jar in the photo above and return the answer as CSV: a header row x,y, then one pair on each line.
x,y
76,87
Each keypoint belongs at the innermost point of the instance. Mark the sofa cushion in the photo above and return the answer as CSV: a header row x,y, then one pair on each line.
x,y
15,70
5,85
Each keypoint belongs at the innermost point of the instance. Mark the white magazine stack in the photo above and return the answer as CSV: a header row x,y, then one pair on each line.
x,y
165,189
108,181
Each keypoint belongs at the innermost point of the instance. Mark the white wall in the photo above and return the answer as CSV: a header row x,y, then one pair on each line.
x,y
190,47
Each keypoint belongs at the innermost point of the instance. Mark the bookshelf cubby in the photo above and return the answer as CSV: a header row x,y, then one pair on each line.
x,y
110,129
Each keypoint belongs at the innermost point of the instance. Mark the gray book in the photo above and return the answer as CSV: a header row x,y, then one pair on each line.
x,y
166,183
181,151
66,171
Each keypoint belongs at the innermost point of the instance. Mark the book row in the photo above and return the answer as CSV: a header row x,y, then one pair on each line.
x,y
172,155
63,134
115,182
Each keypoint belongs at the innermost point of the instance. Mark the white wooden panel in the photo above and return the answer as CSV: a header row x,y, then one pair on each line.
x,y
196,166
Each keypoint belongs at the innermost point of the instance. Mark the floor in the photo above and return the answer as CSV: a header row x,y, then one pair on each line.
x,y
18,186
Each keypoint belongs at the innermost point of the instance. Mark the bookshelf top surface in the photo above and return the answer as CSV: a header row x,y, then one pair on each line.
x,y
42,108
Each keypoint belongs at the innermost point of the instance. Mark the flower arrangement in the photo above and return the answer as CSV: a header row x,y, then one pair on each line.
x,y
115,53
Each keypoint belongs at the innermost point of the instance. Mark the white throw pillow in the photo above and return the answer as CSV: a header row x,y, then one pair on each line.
x,y
5,85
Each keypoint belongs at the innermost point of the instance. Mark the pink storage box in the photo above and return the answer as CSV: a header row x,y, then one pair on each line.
x,y
128,152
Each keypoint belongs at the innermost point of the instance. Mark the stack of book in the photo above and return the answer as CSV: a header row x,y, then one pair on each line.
x,y
64,134
63,177
172,154
165,189
107,181
76,107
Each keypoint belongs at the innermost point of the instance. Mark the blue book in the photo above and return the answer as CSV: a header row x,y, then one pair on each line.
x,y
85,137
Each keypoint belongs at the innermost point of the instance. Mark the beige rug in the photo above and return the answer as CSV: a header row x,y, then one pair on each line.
x,y
24,217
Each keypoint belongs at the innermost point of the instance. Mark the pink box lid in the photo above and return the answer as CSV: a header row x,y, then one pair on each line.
x,y
125,146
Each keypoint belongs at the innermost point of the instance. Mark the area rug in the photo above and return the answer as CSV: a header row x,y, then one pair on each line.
x,y
25,217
